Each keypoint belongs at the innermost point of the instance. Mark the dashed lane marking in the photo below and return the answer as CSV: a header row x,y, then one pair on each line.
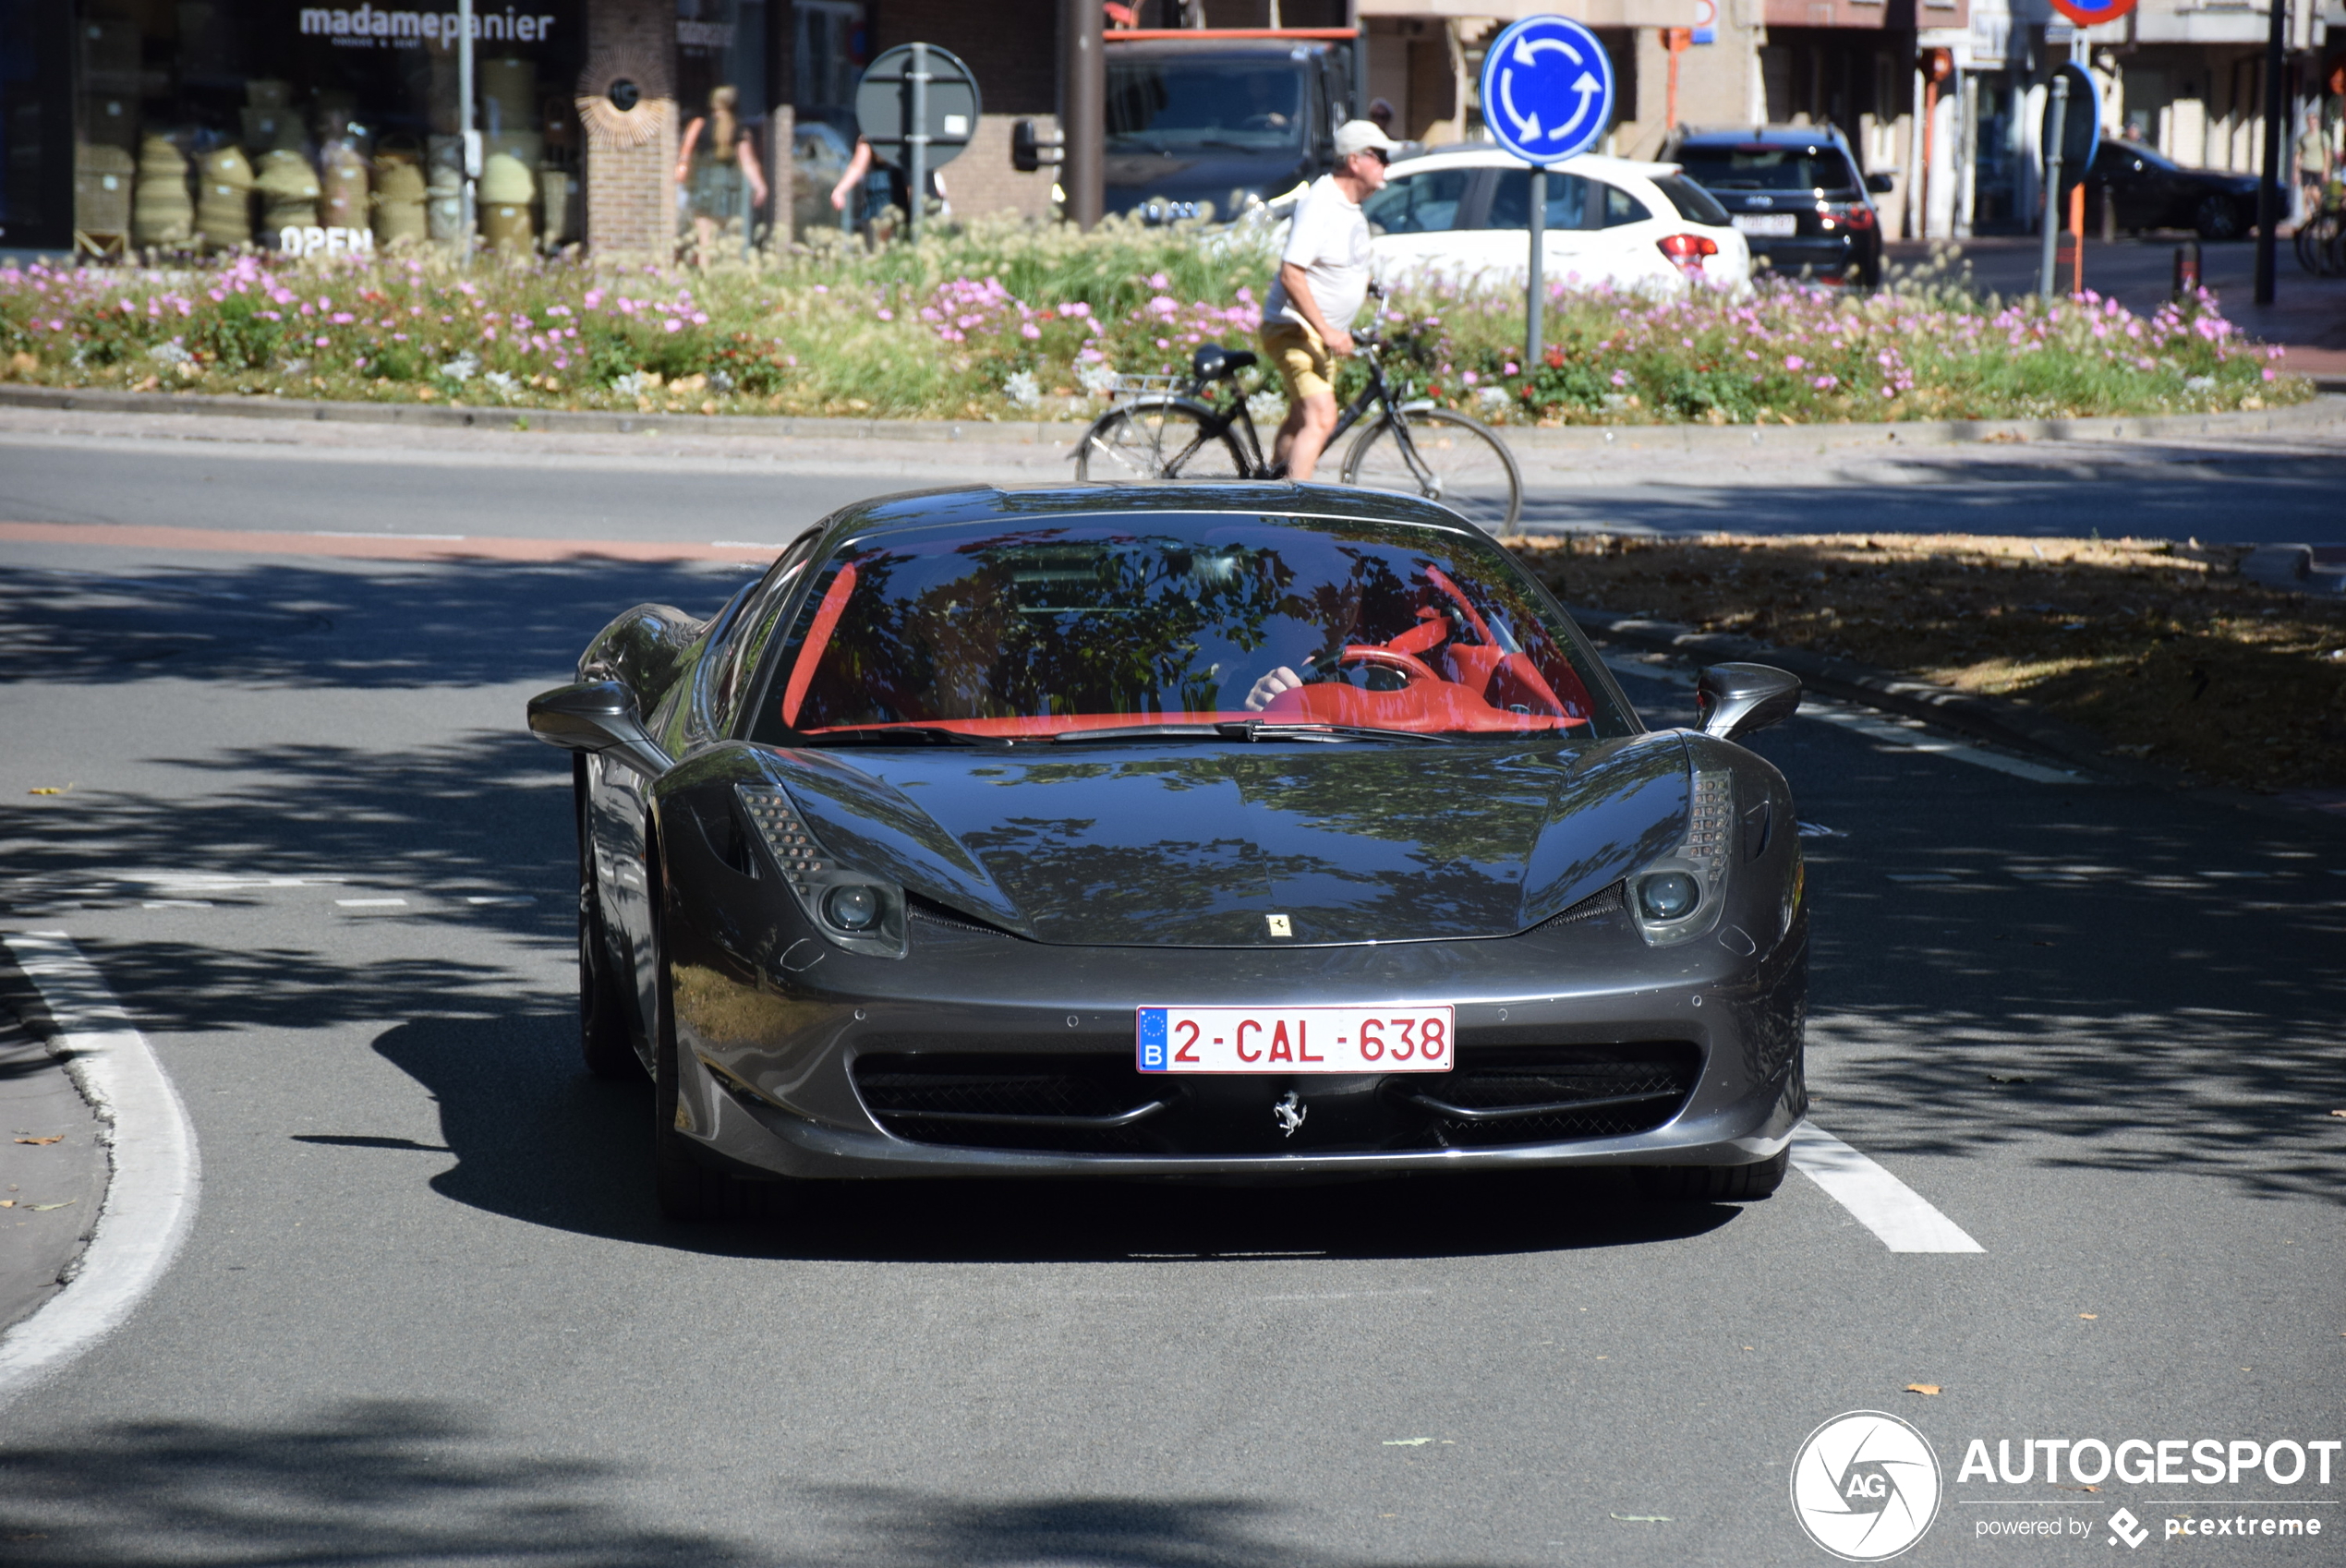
x,y
151,1194
373,903
1903,1220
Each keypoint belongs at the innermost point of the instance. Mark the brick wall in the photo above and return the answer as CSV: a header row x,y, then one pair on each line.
x,y
631,200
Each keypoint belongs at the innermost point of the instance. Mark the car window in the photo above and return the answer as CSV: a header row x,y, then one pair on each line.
x,y
1620,207
1001,634
1160,105
752,630
1694,204
1758,166
1511,201
1419,204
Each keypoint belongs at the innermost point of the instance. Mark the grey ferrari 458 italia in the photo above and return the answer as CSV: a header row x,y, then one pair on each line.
x,y
1244,831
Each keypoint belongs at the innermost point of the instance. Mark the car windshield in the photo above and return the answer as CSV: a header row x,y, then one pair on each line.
x,y
1178,623
1767,168
1169,105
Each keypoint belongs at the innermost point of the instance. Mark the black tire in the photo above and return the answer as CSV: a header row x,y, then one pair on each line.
x,y
604,1043
2217,217
1451,458
688,1187
1715,1184
1154,441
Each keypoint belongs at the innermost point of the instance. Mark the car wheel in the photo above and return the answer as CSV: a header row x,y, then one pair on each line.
x,y
603,1041
1730,1184
2218,218
688,1187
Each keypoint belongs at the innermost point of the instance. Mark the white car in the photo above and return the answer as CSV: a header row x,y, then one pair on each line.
x,y
1462,215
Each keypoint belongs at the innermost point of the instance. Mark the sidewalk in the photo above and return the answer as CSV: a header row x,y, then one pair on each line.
x,y
2308,316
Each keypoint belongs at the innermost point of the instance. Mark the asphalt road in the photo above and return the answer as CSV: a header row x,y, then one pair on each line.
x,y
428,1315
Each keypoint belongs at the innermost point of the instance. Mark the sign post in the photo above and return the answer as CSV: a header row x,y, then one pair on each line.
x,y
1547,95
2072,130
917,106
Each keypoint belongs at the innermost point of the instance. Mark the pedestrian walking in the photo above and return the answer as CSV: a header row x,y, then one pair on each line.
x,y
859,169
716,159
1324,272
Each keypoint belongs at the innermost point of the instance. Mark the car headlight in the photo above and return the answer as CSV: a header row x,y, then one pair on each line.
x,y
1681,896
860,912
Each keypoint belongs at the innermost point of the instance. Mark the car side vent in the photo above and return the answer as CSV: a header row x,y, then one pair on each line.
x,y
1605,902
925,911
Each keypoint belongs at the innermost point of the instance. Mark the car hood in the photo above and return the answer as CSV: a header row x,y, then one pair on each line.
x,y
1173,846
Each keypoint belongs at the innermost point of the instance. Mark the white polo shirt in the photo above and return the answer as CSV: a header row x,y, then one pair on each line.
x,y
1329,239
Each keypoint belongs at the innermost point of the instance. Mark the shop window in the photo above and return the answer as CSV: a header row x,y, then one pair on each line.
x,y
272,124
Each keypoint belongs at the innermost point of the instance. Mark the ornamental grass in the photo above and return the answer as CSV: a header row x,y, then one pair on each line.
x,y
1005,319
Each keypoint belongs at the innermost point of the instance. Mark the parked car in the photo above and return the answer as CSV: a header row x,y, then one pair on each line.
x,y
2152,191
1212,126
1795,193
1464,213
1233,831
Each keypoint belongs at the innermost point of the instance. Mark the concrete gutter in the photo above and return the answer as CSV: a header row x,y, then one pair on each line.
x,y
2322,414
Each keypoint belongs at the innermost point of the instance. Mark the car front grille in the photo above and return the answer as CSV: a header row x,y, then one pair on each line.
x,y
1099,1103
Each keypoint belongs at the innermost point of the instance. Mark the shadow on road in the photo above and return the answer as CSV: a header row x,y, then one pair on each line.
x,y
424,1483
538,1140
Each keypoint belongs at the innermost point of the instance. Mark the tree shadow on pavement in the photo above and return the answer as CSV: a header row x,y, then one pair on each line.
x,y
537,1139
423,1484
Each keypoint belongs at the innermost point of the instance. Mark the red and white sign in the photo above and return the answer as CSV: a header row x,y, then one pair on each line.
x,y
1294,1040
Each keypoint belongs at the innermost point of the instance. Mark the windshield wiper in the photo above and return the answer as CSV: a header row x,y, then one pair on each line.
x,y
1287,730
890,735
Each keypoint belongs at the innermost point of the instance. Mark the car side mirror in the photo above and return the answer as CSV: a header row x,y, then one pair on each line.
x,y
598,717
1733,700
1884,182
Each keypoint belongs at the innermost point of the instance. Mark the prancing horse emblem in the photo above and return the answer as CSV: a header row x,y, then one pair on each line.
x,y
1290,1111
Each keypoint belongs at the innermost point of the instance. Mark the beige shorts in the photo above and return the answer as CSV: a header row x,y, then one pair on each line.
x,y
1302,357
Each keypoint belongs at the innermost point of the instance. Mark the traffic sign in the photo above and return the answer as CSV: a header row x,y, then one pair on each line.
x,y
1706,20
884,105
2080,125
1547,88
2086,13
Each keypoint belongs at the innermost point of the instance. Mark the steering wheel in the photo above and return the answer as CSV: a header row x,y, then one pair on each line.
x,y
1408,666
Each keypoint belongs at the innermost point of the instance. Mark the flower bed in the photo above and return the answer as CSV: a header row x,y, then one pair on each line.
x,y
1001,320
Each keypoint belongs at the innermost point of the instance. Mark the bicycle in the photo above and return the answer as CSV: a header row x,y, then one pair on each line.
x,y
1170,432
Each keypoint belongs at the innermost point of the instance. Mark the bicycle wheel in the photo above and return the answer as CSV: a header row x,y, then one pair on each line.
x,y
1154,441
1444,457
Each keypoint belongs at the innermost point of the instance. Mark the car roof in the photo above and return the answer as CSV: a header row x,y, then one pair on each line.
x,y
1490,155
934,508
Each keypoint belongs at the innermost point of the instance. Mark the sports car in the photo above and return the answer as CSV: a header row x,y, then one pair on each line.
x,y
1240,831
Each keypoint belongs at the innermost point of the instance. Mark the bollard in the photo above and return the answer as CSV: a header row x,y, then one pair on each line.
x,y
2186,268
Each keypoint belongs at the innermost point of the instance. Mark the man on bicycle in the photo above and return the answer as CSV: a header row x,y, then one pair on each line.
x,y
1323,277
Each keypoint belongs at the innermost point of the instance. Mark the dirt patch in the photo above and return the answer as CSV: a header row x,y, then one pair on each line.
x,y
2162,650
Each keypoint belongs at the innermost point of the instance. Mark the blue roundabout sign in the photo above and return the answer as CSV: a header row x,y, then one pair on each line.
x,y
1547,88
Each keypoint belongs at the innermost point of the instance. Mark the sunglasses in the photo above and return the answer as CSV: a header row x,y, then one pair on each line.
x,y
1377,154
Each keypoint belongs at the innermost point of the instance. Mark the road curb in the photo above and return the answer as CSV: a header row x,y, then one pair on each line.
x,y
2323,412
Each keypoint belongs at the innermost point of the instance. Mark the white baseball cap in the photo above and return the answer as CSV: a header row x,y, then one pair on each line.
x,y
1358,136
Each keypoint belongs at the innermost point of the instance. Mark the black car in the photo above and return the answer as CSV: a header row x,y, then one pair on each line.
x,y
1211,127
1797,195
1231,831
2151,192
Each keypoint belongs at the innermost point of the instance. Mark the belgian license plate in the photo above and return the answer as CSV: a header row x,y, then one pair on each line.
x,y
1292,1040
1777,224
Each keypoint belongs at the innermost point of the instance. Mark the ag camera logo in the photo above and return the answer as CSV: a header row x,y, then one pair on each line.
x,y
1865,1486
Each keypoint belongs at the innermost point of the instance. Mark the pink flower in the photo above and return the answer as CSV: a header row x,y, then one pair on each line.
x,y
885,314
1794,362
673,325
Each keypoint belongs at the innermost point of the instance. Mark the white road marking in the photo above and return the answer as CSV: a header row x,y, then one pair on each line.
x,y
1882,1203
501,899
175,904
373,903
1909,733
157,1173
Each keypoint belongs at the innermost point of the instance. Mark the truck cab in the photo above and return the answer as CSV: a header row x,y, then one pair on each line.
x,y
1205,127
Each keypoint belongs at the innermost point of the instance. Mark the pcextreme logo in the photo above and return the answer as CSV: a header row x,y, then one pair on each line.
x,y
1865,1486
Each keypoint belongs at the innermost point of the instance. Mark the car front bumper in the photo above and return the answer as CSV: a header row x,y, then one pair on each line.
x,y
769,1058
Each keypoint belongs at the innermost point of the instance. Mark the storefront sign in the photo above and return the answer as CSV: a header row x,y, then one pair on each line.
x,y
371,27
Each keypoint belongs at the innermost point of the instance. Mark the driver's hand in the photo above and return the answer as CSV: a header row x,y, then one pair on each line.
x,y
1339,343
1271,685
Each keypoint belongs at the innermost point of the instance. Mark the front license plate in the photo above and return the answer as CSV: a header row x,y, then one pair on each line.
x,y
1777,224
1388,1039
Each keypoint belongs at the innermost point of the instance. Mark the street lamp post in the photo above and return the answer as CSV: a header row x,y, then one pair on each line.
x,y
2055,126
2275,111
